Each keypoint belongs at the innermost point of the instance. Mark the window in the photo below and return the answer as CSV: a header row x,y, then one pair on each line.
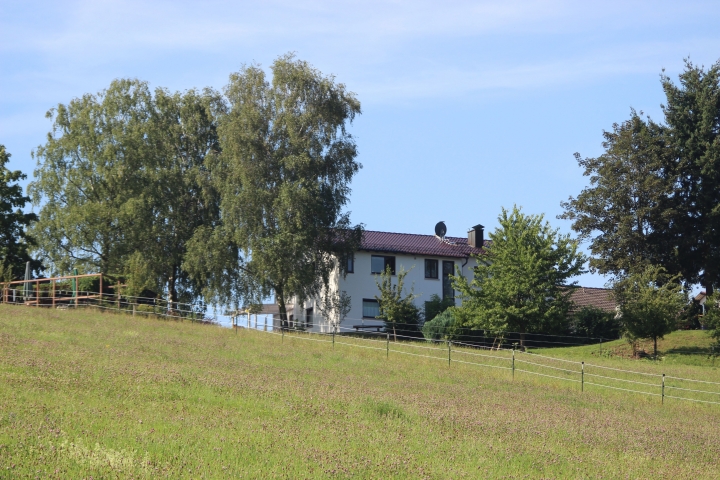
x,y
308,318
431,268
379,263
371,308
350,265
448,269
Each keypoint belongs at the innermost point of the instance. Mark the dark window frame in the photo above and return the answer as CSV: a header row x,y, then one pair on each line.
x,y
388,260
431,260
350,264
309,312
448,290
371,300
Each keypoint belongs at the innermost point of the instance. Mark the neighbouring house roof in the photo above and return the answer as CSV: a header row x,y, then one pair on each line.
x,y
413,244
595,297
700,297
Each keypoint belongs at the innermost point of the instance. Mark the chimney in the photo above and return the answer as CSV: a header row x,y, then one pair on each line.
x,y
476,237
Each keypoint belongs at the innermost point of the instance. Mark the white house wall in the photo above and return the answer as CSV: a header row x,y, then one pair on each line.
x,y
362,285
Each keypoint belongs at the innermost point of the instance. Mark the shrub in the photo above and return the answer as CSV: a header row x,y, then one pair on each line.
x,y
442,327
594,322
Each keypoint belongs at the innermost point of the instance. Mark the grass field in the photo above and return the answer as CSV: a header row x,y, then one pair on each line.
x,y
689,347
84,394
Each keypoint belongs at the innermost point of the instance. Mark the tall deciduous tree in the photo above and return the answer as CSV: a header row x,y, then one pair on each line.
x,y
14,240
692,114
284,173
181,195
521,283
650,303
122,182
654,196
620,211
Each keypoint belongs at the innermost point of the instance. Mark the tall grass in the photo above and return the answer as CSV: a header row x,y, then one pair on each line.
x,y
85,394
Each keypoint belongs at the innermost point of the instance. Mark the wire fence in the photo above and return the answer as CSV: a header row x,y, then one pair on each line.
x,y
523,362
134,305
497,357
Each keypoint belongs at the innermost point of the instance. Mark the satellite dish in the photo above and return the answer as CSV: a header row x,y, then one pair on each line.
x,y
440,229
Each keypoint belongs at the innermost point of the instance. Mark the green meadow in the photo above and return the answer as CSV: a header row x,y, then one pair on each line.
x,y
97,395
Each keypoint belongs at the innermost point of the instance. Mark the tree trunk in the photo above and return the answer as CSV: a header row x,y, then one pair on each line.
x,y
280,299
394,333
522,341
172,291
655,346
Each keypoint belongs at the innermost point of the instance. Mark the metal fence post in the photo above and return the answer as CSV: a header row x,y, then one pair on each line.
x,y
662,393
449,342
582,377
334,327
387,345
513,362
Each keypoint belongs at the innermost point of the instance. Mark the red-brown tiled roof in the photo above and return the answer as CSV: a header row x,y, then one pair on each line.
x,y
412,244
596,297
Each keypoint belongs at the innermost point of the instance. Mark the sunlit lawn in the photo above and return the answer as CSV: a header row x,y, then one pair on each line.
x,y
685,347
84,394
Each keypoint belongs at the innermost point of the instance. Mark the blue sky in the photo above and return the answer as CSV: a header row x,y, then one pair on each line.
x,y
467,106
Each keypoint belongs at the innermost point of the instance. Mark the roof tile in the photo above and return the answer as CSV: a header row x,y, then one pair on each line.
x,y
413,244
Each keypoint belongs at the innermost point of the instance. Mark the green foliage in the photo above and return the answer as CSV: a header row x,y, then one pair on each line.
x,y
436,305
628,176
283,175
396,307
711,319
521,281
594,322
14,240
441,327
654,192
692,114
123,175
650,303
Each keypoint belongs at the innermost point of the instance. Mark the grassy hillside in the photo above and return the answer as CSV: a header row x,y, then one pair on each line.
x,y
688,347
86,394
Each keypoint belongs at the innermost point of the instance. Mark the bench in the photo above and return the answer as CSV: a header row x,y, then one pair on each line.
x,y
368,327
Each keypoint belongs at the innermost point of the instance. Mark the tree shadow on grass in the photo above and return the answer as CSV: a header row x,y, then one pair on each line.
x,y
688,351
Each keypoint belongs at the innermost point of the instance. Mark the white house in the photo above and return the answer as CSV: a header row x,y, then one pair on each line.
x,y
428,258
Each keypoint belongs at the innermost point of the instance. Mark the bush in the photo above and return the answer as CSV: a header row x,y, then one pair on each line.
x,y
436,305
594,322
442,327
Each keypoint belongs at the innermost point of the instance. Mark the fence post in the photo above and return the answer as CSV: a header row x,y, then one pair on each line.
x,y
662,394
601,346
283,332
387,345
334,328
134,305
449,342
582,377
513,362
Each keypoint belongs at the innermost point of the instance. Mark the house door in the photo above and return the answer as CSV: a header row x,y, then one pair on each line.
x,y
309,318
448,269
